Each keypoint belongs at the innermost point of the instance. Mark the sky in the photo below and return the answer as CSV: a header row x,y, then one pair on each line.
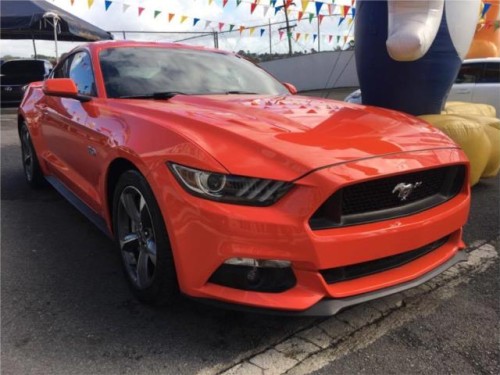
x,y
213,16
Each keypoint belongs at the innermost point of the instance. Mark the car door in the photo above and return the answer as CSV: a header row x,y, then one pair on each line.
x,y
72,140
487,89
465,83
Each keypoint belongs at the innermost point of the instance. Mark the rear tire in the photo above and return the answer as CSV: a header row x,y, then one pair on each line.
x,y
31,166
142,237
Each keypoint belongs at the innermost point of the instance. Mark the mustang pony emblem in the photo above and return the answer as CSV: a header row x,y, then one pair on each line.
x,y
404,190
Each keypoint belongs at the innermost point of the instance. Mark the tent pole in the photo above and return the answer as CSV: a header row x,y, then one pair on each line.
x,y
55,37
34,45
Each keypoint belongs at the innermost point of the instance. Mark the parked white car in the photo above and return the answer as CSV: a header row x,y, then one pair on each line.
x,y
478,81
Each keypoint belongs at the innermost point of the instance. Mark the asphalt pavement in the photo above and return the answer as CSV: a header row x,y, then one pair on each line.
x,y
66,309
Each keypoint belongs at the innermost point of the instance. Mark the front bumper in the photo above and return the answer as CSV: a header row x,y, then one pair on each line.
x,y
332,306
205,234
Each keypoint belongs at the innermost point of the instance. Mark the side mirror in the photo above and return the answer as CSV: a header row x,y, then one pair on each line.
x,y
290,87
64,87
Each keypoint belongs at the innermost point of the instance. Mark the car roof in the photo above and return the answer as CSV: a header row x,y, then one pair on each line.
x,y
482,60
134,43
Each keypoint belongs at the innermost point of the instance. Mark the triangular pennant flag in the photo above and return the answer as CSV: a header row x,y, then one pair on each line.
x,y
140,9
487,7
221,25
107,4
311,16
157,12
289,35
349,21
306,36
345,10
330,9
195,21
305,3
231,27
265,8
183,18
318,6
224,3
353,12
330,37
352,2
281,34
341,20
345,39
252,7
241,29
238,2
315,36
90,3
272,3
252,29
262,31
277,9
300,15
297,37
207,23
210,2
320,18
338,39
125,7
170,16
72,2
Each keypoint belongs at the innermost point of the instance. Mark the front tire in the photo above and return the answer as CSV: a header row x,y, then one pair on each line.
x,y
144,245
31,166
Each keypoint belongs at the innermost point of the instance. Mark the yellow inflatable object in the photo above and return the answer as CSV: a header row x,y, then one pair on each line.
x,y
463,108
491,126
474,139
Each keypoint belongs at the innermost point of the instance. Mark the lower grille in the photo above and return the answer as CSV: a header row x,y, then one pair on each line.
x,y
335,275
389,197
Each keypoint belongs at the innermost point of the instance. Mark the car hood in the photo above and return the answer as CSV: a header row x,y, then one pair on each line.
x,y
287,136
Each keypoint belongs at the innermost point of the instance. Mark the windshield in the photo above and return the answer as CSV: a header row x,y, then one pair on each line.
x,y
143,71
30,68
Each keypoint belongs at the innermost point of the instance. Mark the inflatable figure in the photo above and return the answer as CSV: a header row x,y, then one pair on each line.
x,y
486,41
409,49
408,53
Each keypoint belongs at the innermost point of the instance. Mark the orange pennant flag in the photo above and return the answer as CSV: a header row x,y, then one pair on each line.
x,y
301,14
170,16
241,29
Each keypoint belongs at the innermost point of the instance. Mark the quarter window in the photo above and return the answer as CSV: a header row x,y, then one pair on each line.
x,y
491,73
80,71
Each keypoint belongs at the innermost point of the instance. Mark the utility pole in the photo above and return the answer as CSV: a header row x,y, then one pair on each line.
x,y
286,4
270,39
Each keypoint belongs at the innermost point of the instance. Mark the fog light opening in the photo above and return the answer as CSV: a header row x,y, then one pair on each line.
x,y
262,275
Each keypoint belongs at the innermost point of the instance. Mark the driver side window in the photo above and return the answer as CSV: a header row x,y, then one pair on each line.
x,y
81,72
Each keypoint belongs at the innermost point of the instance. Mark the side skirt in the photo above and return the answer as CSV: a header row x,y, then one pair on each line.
x,y
81,206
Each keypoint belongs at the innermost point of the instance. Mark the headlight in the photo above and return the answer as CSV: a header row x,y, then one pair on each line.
x,y
229,188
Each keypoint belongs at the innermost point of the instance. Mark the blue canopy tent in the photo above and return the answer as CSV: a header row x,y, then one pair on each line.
x,y
30,19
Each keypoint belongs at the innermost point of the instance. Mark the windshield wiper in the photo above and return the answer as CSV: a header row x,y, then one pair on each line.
x,y
156,95
240,92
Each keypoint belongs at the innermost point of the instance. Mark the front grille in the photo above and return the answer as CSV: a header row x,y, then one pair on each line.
x,y
335,275
379,199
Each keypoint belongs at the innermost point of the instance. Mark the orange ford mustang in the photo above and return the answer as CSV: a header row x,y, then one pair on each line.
x,y
217,180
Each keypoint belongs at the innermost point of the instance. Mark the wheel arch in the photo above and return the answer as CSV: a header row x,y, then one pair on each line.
x,y
115,169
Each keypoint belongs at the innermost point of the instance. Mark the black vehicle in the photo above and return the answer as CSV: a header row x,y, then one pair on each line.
x,y
15,74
